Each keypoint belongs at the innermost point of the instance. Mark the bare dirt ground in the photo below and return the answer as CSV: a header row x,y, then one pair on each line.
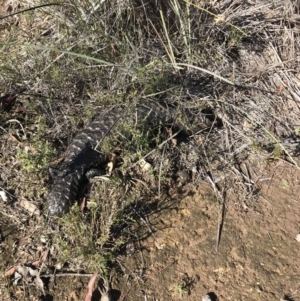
x,y
216,213
258,256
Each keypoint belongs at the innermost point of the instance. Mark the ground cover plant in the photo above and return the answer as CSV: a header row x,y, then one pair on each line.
x,y
205,204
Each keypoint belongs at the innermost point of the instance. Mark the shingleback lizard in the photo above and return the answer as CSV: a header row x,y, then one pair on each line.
x,y
81,156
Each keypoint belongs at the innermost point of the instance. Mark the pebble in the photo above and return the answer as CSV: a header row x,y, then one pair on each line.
x,y
206,298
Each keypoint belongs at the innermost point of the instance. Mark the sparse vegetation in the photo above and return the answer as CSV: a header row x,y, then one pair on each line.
x,y
229,69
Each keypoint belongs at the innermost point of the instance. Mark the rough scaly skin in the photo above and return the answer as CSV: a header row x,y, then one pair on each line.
x,y
82,156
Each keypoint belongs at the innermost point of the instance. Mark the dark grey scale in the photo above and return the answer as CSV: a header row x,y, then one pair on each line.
x,y
65,188
95,172
292,145
81,156
81,160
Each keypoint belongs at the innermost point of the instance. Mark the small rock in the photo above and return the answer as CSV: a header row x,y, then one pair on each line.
x,y
58,266
206,298
43,239
29,206
3,196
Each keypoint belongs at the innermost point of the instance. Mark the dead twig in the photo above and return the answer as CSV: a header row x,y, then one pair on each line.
x,y
66,275
90,287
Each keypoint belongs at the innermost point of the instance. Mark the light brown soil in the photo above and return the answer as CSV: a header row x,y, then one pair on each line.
x,y
258,256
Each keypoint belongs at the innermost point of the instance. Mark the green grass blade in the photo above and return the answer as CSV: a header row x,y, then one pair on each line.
x,y
84,56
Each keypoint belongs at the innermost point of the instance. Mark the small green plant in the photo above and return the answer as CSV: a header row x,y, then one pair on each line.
x,y
78,241
36,158
235,37
132,139
255,146
96,240
37,155
179,289
285,184
184,285
277,151
297,130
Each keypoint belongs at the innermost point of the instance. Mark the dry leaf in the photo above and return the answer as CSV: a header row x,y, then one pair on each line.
x,y
110,165
28,276
10,271
199,140
82,204
29,206
41,259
